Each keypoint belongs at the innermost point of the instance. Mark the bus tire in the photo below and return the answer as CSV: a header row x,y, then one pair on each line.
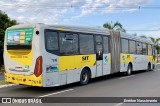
x,y
84,77
129,70
149,67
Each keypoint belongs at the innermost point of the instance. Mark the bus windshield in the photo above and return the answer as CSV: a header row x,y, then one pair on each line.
x,y
22,36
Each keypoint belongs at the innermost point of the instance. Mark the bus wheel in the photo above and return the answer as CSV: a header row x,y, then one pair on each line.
x,y
85,76
149,67
129,70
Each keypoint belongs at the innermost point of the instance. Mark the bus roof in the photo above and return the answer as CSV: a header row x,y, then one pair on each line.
x,y
85,29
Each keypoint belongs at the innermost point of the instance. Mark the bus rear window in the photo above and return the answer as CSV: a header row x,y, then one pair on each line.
x,y
21,36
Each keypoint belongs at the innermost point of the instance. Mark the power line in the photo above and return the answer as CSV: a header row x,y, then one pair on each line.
x,y
143,30
79,7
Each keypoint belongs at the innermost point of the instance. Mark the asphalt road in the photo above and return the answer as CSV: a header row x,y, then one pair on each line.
x,y
140,84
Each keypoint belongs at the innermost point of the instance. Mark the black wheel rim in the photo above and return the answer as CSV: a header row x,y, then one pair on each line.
x,y
84,76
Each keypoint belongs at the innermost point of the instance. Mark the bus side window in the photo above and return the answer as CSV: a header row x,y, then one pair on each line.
x,y
144,48
68,43
149,50
51,42
139,47
124,46
132,47
86,44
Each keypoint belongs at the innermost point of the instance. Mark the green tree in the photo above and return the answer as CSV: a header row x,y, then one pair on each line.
x,y
156,42
5,22
114,26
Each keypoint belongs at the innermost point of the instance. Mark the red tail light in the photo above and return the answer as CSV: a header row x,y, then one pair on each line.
x,y
38,67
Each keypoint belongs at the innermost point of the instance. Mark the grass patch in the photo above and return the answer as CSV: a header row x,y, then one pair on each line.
x,y
2,82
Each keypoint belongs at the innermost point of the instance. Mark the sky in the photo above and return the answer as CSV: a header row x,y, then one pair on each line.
x,y
137,16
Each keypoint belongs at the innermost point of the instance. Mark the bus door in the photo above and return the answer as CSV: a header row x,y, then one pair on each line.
x,y
106,56
99,55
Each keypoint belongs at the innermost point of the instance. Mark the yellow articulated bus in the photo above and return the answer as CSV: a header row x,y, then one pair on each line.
x,y
46,56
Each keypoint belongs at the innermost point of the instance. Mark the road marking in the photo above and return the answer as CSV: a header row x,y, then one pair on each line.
x,y
127,77
7,85
118,104
56,93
